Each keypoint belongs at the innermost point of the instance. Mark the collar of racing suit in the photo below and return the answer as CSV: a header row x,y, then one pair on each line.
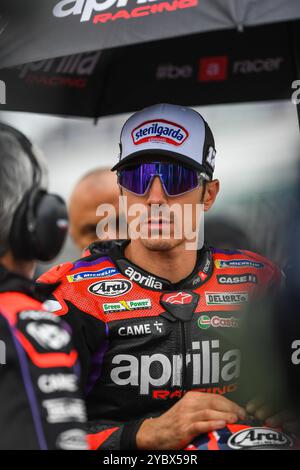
x,y
201,272
13,282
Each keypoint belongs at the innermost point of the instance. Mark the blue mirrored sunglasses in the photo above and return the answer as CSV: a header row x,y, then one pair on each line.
x,y
175,178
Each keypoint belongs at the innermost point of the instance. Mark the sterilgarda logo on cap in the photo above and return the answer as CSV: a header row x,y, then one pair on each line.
x,y
159,130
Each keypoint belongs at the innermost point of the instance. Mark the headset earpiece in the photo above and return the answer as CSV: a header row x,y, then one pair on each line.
x,y
40,222
40,226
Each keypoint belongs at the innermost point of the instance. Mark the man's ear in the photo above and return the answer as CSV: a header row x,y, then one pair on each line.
x,y
211,190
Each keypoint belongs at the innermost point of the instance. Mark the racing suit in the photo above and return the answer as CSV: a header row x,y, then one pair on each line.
x,y
40,404
144,342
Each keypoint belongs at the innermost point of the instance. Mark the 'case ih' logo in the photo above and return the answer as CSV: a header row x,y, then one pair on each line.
x,y
179,298
110,288
159,130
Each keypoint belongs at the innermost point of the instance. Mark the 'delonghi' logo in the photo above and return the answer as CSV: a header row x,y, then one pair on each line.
x,y
110,288
253,438
159,131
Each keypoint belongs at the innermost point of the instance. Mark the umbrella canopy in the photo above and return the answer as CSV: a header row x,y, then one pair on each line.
x,y
225,66
46,29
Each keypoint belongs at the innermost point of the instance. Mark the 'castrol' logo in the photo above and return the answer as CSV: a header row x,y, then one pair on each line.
x,y
159,131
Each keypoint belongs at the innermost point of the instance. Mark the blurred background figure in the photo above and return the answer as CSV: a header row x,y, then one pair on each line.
x,y
227,235
97,187
33,226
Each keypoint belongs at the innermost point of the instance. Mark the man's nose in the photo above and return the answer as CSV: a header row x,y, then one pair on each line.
x,y
156,193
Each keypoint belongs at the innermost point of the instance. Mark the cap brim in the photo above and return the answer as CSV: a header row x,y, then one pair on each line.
x,y
156,154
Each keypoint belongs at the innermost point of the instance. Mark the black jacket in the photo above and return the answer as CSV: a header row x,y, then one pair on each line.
x,y
40,401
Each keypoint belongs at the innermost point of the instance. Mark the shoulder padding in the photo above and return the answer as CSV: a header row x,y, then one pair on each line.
x,y
55,274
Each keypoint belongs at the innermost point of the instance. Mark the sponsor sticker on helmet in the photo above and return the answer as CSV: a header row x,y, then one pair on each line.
x,y
254,438
110,288
161,131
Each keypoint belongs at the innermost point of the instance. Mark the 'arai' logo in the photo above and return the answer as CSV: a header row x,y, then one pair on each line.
x,y
110,288
251,438
159,131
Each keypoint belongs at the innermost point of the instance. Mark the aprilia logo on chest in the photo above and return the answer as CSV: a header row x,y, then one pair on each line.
x,y
209,366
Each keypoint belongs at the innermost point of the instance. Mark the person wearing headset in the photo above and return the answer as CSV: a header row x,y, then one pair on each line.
x,y
40,400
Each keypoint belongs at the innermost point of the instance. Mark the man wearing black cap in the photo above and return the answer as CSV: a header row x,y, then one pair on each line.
x,y
156,316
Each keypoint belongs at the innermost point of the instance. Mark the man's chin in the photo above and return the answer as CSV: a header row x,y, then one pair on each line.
x,y
160,244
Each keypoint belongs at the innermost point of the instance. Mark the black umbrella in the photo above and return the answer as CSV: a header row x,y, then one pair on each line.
x,y
248,63
35,30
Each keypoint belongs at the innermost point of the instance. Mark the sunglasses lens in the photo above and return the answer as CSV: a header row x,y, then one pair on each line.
x,y
179,179
136,179
176,178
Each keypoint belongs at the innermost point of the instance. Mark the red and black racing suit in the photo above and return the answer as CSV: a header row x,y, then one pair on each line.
x,y
144,342
41,406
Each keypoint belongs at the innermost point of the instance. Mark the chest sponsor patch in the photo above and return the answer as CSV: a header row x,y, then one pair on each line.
x,y
141,329
217,321
237,263
86,275
179,298
241,279
126,305
145,280
160,131
112,288
226,298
